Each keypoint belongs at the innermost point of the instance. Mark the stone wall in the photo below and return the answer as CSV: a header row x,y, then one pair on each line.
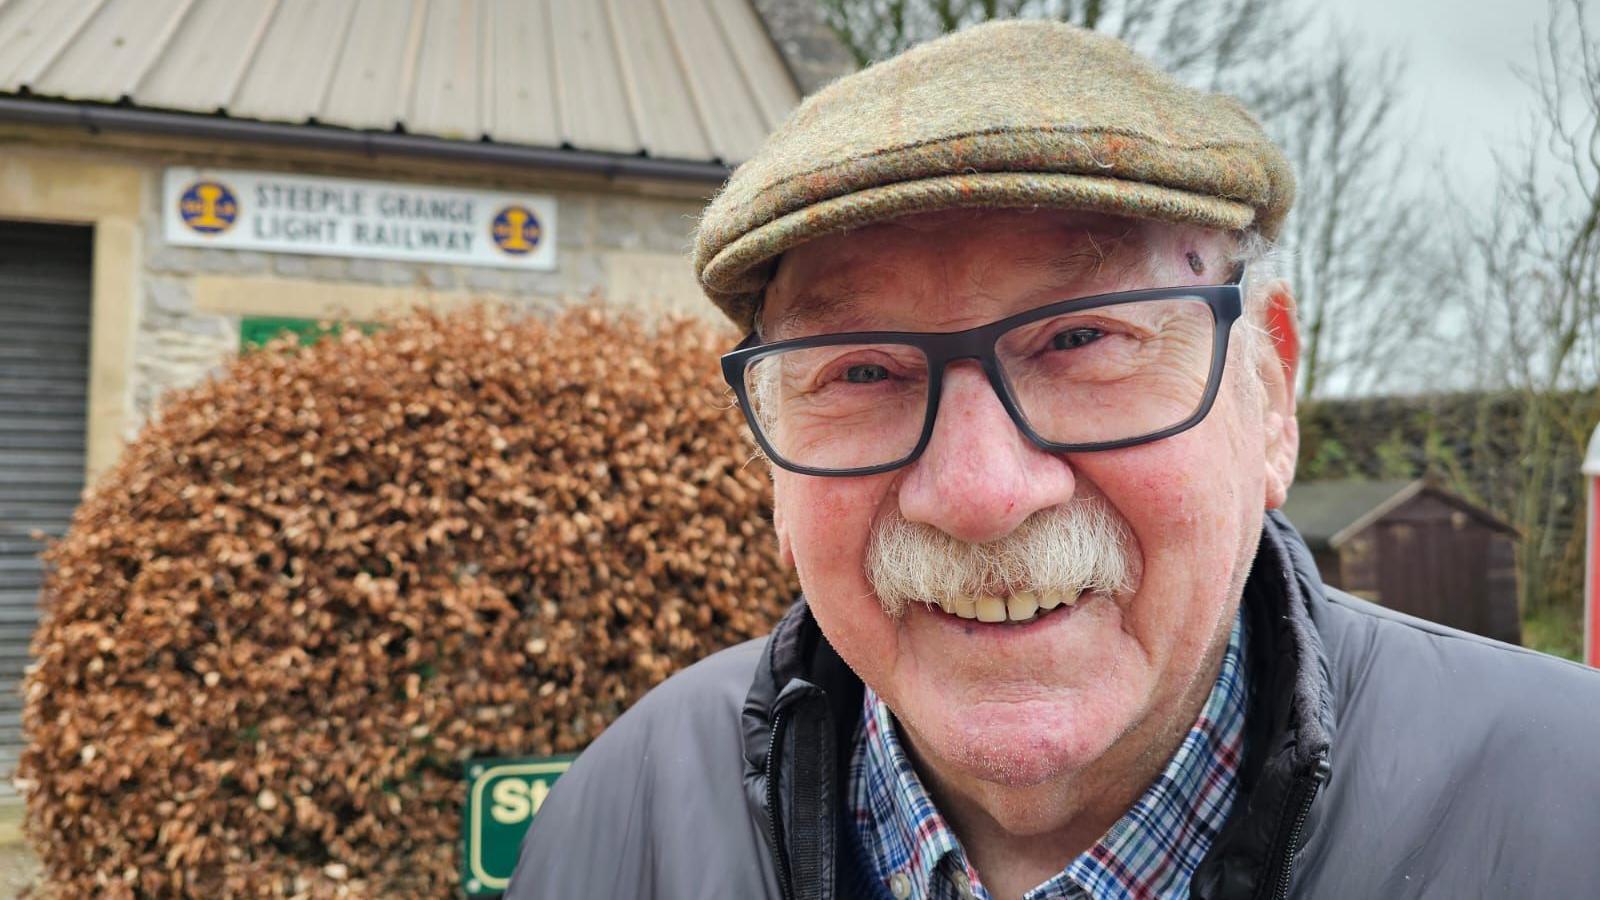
x,y
614,247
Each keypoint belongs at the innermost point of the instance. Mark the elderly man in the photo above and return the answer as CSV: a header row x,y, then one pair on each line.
x,y
1021,360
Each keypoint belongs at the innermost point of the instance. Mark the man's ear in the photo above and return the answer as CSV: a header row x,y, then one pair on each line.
x,y
785,548
1278,370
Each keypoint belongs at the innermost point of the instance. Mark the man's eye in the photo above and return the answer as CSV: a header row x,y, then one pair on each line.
x,y
1076,337
865,373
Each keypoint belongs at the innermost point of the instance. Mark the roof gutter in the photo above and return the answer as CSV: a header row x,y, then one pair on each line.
x,y
96,118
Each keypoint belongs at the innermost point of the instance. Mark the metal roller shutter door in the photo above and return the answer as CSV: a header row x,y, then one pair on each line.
x,y
44,382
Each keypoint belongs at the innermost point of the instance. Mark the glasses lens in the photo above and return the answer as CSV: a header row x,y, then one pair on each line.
x,y
1110,373
844,406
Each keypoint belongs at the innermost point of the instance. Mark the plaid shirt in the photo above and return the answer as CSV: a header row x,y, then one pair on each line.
x,y
1152,851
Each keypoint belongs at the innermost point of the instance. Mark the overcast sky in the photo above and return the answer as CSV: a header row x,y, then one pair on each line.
x,y
1460,87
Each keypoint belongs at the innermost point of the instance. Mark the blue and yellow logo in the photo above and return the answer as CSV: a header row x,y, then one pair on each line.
x,y
516,230
208,207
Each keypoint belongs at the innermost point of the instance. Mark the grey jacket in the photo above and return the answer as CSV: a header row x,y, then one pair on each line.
x,y
1386,757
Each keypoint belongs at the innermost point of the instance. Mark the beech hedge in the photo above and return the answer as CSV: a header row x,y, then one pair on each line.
x,y
316,584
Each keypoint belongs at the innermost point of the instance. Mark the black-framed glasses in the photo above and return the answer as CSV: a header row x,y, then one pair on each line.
x,y
1091,373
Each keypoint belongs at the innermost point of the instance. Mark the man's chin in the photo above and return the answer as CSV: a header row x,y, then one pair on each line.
x,y
1022,744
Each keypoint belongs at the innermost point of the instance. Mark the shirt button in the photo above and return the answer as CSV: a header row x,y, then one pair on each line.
x,y
900,886
964,885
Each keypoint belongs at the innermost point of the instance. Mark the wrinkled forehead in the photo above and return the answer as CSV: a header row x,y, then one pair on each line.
x,y
923,271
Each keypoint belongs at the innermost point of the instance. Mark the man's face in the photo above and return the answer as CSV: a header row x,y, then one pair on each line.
x,y
1020,704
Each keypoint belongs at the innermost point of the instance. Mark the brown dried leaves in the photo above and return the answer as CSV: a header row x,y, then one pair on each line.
x,y
313,587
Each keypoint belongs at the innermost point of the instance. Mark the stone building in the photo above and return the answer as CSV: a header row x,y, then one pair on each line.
x,y
180,177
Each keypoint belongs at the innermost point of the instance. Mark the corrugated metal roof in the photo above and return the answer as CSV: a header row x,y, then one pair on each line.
x,y
671,79
1320,510
1328,513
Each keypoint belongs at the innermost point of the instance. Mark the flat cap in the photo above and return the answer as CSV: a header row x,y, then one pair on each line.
x,y
1009,114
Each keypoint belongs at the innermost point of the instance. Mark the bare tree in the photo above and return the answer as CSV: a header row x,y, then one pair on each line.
x,y
1206,42
1532,271
1361,241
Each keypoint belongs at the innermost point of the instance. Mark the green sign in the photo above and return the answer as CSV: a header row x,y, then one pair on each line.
x,y
502,797
256,331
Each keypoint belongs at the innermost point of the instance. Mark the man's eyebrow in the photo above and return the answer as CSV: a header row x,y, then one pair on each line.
x,y
814,305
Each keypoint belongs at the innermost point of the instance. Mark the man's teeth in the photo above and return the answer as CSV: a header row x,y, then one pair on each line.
x,y
1019,607
991,609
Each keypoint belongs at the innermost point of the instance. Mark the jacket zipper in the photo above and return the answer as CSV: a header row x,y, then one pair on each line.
x,y
806,839
774,830
1307,789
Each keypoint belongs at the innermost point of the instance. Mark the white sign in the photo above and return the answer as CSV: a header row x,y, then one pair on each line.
x,y
344,217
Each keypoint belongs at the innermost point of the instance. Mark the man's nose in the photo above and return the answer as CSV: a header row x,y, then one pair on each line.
x,y
980,476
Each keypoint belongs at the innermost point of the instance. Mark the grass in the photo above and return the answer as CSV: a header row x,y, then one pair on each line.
x,y
1556,630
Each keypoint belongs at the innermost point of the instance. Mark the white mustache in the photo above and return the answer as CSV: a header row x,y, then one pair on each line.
x,y
1072,548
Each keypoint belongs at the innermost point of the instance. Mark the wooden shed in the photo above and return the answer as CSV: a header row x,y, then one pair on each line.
x,y
1413,547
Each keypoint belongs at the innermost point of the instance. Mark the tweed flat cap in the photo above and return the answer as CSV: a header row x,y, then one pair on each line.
x,y
1009,114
